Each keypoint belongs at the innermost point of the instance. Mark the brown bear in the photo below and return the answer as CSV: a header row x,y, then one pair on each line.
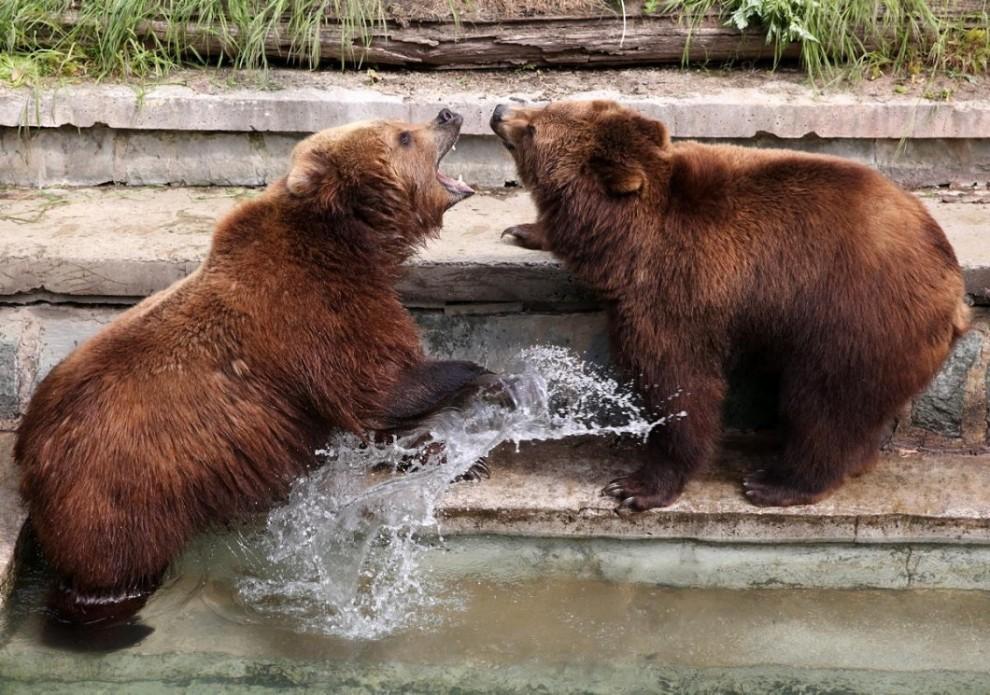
x,y
708,255
205,401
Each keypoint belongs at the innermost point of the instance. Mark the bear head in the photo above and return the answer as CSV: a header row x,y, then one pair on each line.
x,y
383,174
570,144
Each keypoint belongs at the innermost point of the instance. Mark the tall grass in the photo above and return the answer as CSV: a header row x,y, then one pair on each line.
x,y
110,37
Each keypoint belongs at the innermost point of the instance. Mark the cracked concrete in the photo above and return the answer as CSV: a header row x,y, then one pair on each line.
x,y
195,131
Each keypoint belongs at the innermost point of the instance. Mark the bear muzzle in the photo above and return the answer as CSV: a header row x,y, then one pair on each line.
x,y
447,126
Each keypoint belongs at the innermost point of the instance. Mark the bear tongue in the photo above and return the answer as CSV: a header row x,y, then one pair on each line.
x,y
453,185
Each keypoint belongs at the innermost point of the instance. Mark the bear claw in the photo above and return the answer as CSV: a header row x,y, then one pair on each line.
x,y
524,236
613,489
638,496
475,473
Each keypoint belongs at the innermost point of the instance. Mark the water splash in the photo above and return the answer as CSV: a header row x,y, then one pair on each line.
x,y
343,555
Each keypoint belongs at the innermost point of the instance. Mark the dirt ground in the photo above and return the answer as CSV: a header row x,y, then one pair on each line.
x,y
550,84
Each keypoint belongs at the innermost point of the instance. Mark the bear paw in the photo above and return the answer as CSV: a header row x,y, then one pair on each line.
x,y
764,489
526,236
641,491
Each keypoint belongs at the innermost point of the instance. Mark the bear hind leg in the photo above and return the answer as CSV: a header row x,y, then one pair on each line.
x,y
680,448
827,440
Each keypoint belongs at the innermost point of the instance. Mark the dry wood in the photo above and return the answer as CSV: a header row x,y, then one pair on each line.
x,y
560,41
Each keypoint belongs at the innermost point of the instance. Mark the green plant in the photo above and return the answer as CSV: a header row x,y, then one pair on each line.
x,y
783,20
859,34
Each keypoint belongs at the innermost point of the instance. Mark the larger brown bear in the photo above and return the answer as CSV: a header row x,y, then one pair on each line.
x,y
205,401
708,255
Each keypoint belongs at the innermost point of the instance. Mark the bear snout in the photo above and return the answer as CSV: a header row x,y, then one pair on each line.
x,y
498,115
448,117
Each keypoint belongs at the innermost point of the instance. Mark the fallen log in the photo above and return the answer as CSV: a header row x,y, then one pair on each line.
x,y
558,41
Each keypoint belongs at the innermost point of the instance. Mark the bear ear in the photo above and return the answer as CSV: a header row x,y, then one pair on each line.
x,y
618,176
314,177
654,131
625,138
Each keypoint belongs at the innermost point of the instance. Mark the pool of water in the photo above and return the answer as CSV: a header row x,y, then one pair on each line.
x,y
491,627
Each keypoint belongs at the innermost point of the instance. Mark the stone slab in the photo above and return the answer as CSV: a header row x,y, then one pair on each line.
x,y
129,242
693,104
552,490
12,515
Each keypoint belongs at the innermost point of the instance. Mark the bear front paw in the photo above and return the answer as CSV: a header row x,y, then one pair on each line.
x,y
639,492
526,236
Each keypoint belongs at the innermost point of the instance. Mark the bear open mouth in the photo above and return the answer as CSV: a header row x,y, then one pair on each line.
x,y
449,127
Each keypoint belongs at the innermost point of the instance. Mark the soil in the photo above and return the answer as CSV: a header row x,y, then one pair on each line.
x,y
540,84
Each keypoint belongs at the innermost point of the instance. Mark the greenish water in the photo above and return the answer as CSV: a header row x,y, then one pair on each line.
x,y
488,627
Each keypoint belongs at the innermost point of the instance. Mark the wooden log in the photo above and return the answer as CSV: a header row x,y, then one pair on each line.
x,y
593,40
583,41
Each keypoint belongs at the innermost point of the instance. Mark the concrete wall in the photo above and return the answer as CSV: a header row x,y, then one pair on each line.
x,y
952,414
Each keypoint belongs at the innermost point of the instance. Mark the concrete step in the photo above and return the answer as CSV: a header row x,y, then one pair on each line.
x,y
12,514
125,243
119,242
199,130
915,521
68,254
552,489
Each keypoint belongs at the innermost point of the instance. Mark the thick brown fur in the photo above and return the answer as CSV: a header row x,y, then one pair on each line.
x,y
205,401
708,255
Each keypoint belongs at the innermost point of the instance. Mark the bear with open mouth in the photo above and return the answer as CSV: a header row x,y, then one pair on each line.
x,y
204,402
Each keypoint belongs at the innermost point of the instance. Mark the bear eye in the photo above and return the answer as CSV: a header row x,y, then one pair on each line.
x,y
531,130
405,137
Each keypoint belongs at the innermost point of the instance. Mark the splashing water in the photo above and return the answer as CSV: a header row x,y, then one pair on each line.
x,y
343,555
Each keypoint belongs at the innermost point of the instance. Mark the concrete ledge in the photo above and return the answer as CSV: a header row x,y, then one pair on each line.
x,y
126,243
197,130
915,521
552,490
692,104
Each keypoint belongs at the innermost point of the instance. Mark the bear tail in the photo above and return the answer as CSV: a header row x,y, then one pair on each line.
x,y
960,320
